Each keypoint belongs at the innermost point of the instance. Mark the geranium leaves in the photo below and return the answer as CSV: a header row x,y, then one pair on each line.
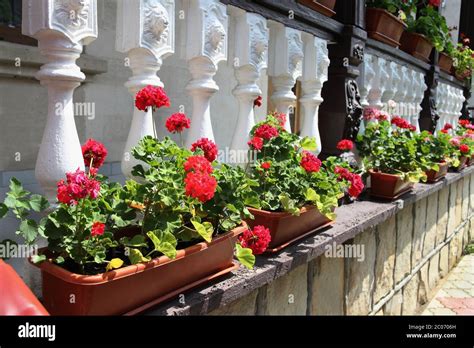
x,y
204,229
164,242
245,256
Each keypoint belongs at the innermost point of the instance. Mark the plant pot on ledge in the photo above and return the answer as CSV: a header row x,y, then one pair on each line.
x,y
133,289
326,7
382,26
286,228
463,163
388,186
435,176
417,45
445,62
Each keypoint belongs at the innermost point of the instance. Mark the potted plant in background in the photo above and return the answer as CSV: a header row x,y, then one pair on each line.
x,y
463,143
390,156
122,249
463,59
326,7
426,30
385,19
297,193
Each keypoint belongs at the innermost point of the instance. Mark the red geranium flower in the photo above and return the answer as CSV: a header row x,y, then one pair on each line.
x,y
464,148
256,143
94,151
257,239
357,186
310,162
176,123
445,131
151,96
201,186
266,131
207,146
98,229
198,164
281,117
345,145
401,123
266,165
435,3
258,101
464,123
78,185
448,126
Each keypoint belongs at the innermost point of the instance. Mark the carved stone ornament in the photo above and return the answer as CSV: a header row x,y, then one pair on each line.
x,y
216,35
358,52
156,24
295,53
353,109
259,45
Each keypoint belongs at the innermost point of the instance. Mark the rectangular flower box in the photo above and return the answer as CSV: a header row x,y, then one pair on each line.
x,y
417,45
463,163
326,7
286,228
434,176
388,186
445,62
382,26
133,289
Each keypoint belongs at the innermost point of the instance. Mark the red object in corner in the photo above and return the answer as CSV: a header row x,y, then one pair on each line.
x,y
15,297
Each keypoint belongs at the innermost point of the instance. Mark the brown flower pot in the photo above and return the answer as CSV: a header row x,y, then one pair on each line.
x,y
286,228
434,176
326,7
133,289
388,186
463,163
417,45
381,25
445,62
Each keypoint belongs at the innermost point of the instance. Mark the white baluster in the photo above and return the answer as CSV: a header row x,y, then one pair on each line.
x,y
285,66
441,102
250,34
206,46
61,28
369,75
379,83
315,73
392,83
145,31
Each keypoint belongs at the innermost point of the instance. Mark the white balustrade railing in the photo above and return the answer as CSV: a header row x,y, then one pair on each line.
x,y
61,28
145,31
449,103
315,73
284,66
250,49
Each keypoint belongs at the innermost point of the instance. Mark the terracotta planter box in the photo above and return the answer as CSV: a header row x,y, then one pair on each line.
x,y
326,7
417,45
434,176
463,163
133,289
286,228
445,62
388,186
381,25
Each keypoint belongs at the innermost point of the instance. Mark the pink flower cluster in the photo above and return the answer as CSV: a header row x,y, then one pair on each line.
x,y
371,114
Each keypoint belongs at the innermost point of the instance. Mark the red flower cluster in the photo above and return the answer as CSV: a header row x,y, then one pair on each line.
x,y
345,145
266,131
198,164
95,152
448,126
464,148
444,131
256,143
258,101
401,123
356,181
257,239
151,96
464,123
207,146
435,3
98,229
199,183
176,123
266,165
310,162
77,186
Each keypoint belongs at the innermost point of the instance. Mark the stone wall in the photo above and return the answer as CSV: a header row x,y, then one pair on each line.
x,y
405,257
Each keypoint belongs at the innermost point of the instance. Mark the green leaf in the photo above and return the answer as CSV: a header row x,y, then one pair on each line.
x,y
289,204
38,258
245,256
28,230
137,241
3,210
135,256
16,189
309,144
311,195
113,264
164,242
205,229
38,203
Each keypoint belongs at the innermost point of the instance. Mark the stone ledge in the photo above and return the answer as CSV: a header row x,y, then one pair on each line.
x,y
352,220
31,60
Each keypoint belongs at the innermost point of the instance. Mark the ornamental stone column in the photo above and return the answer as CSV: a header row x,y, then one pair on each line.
x,y
206,46
315,73
285,66
145,31
250,48
61,27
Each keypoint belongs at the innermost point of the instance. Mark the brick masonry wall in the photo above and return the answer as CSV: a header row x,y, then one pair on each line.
x,y
405,257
